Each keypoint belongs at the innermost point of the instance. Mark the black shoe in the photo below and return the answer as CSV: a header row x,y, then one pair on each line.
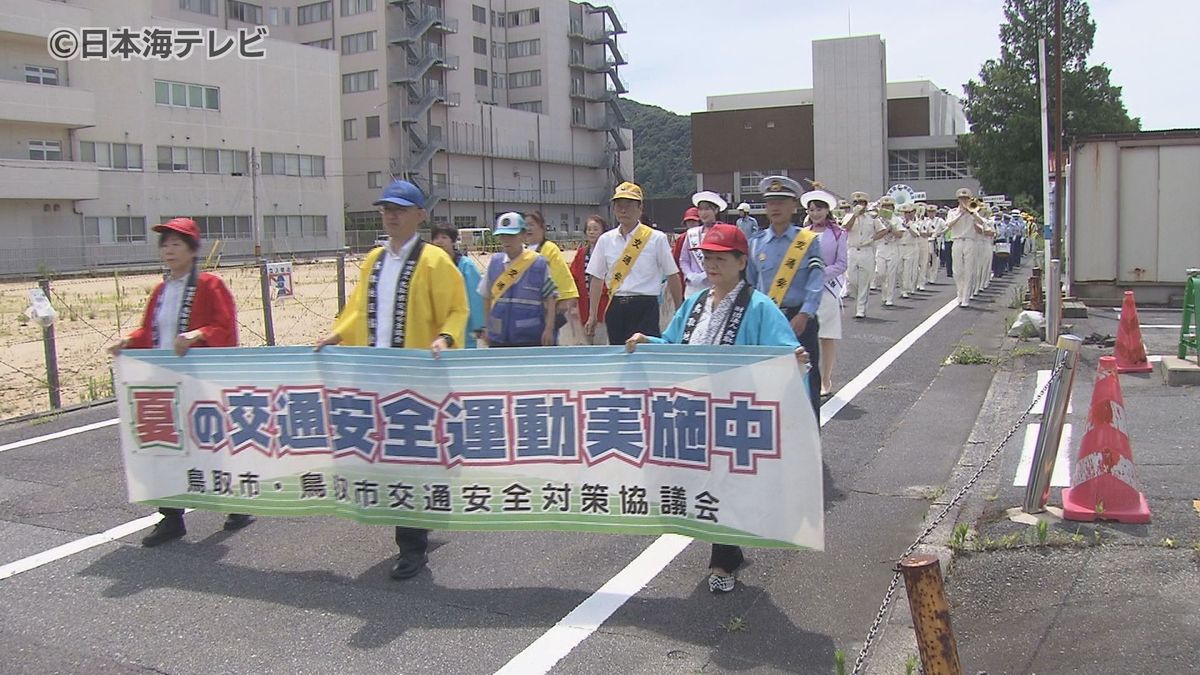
x,y
236,521
167,529
408,565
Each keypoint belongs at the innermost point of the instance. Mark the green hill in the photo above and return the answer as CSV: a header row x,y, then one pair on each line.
x,y
662,150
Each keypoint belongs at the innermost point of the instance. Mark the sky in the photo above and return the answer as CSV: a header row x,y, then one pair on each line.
x,y
681,51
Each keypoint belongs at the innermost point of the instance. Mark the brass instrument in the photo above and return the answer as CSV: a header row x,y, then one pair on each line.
x,y
974,205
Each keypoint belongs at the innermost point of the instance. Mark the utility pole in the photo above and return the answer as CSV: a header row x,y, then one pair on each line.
x,y
254,220
1060,190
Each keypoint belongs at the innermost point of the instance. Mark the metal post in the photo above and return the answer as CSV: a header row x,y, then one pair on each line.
x,y
341,279
1045,451
930,615
1036,299
268,321
1053,301
51,351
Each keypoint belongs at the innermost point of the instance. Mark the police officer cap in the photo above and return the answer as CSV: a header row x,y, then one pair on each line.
x,y
780,186
858,196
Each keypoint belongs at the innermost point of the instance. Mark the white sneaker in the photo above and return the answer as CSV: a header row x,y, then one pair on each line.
x,y
964,303
889,303
904,296
721,583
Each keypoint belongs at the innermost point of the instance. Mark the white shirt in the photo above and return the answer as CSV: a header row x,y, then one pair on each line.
x,y
964,228
865,227
385,291
646,276
166,318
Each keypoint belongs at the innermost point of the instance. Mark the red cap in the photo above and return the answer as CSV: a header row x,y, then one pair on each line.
x,y
184,226
692,213
725,237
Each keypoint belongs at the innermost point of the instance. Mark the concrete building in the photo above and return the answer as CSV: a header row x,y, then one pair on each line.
x,y
93,153
852,131
488,105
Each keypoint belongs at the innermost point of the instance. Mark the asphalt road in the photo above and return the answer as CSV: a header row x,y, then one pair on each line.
x,y
313,595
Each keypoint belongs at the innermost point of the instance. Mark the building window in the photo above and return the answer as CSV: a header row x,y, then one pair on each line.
x,y
480,45
523,48
499,80
348,130
464,222
112,155
41,75
114,229
295,226
222,227
439,180
749,180
184,95
524,17
203,160
497,18
497,49
48,151
481,77
373,126
528,106
904,165
361,81
578,117
435,132
290,164
352,7
357,43
202,6
548,186
244,12
314,13
327,43
374,179
946,164
478,14
525,78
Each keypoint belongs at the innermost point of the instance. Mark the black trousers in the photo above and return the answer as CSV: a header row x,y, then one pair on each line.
x,y
629,314
726,557
947,259
412,540
812,344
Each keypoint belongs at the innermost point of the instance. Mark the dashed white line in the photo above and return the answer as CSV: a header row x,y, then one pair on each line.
x,y
58,434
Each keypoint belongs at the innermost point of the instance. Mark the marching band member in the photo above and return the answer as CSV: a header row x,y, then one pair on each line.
x,y
936,242
908,249
887,250
863,231
964,227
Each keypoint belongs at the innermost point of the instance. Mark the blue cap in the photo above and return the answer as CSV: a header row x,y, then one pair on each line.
x,y
509,223
402,193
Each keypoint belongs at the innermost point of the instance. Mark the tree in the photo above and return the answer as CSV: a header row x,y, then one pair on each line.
x,y
662,150
1003,105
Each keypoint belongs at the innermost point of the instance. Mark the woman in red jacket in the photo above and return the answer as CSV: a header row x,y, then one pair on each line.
x,y
188,309
594,227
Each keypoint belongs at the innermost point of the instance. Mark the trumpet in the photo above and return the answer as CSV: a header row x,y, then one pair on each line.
x,y
974,205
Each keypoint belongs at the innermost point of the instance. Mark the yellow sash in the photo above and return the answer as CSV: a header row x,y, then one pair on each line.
x,y
512,274
633,248
786,273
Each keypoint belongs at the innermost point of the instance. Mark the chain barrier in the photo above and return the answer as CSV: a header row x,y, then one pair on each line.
x,y
873,631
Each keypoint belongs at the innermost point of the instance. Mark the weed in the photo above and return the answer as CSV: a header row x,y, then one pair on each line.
x,y
1017,299
1043,532
1025,351
910,665
1100,508
839,662
958,540
969,355
46,419
1168,542
969,331
992,497
736,625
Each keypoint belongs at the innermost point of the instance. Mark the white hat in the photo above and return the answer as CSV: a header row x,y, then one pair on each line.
x,y
710,197
743,207
819,196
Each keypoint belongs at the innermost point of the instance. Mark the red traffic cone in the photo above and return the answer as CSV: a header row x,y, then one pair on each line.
x,y
1103,476
1130,350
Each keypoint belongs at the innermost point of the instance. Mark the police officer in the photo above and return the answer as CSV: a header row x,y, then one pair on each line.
x,y
786,264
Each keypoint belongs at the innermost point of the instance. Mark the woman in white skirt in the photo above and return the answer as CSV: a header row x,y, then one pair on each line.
x,y
833,251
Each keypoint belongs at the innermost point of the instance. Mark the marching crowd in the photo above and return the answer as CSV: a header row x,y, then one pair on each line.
x,y
778,283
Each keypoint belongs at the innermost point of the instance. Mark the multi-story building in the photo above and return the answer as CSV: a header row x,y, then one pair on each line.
x,y
852,131
488,105
93,153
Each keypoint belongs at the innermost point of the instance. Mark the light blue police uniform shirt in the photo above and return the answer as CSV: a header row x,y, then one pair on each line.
x,y
767,251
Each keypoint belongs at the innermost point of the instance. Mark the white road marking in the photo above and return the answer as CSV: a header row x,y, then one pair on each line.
x,y
1062,463
1040,401
58,434
556,643
71,548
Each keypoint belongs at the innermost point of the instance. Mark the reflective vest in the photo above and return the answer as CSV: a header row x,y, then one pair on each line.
x,y
519,316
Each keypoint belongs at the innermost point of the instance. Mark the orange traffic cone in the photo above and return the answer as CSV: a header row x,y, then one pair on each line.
x,y
1103,476
1130,350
